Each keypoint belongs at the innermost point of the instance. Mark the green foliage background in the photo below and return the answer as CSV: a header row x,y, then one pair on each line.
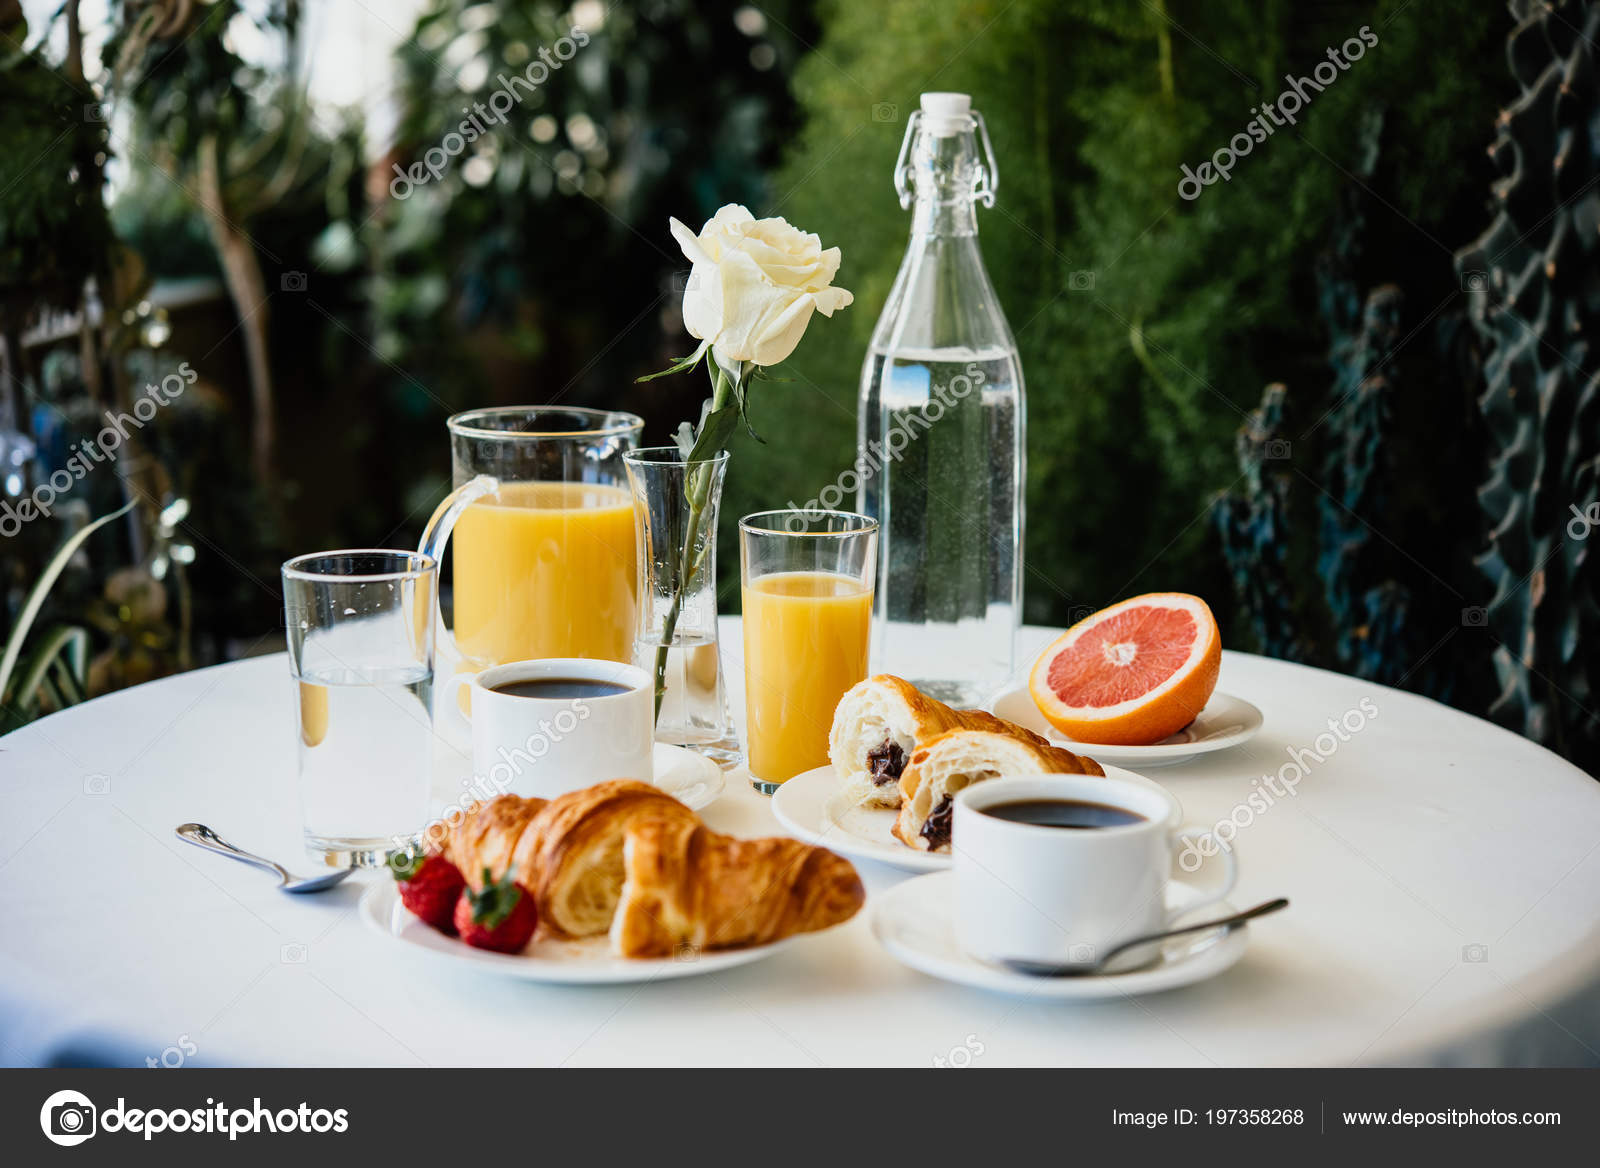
x,y
1136,385
538,268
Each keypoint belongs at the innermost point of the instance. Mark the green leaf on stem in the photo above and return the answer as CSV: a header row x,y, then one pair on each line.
x,y
716,427
679,366
719,417
741,391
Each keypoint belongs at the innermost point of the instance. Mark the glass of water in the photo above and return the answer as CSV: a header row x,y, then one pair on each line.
x,y
360,631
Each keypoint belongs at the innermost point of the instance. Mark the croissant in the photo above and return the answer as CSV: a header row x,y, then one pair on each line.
x,y
687,887
881,722
576,860
492,835
626,857
946,764
567,852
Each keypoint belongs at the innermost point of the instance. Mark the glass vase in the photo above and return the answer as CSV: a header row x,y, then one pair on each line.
x,y
675,513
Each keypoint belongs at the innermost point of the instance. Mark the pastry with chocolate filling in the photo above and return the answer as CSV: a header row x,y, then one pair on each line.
x,y
952,761
880,723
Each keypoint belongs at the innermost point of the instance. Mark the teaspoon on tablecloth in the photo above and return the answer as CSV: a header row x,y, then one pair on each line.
x,y
202,836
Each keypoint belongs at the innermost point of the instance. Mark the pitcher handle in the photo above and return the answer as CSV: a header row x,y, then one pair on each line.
x,y
437,534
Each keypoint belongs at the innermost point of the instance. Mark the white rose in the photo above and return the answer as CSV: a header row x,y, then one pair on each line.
x,y
754,285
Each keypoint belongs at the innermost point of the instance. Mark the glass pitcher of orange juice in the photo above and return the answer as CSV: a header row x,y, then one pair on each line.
x,y
544,546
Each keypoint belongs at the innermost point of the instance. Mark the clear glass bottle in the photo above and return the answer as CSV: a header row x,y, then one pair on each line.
x,y
940,432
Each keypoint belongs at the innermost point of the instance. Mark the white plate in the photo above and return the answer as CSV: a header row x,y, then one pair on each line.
x,y
912,921
692,779
812,808
586,962
1226,721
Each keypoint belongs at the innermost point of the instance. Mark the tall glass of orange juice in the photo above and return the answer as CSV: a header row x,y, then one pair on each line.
x,y
806,580
544,566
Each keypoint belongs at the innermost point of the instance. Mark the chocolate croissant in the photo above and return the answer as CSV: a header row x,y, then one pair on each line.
x,y
686,887
881,722
946,764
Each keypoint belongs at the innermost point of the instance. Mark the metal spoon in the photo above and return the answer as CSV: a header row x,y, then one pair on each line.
x,y
1088,968
202,836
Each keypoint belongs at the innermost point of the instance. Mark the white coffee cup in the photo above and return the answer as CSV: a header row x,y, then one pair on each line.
x,y
546,746
1054,895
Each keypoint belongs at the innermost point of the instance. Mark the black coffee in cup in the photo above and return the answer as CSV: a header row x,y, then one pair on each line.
x,y
560,688
1069,813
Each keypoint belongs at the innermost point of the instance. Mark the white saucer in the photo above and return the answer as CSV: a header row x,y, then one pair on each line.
x,y
586,962
692,779
813,808
1226,721
912,921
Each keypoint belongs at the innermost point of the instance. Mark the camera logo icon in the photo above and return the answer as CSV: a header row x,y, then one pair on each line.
x,y
1475,617
1277,449
1475,954
292,282
1081,281
68,1118
1474,281
96,111
885,111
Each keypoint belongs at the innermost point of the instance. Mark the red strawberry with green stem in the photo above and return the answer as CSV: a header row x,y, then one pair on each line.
x,y
429,886
500,916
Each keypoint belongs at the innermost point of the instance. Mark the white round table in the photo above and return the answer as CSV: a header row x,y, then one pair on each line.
x,y
1444,877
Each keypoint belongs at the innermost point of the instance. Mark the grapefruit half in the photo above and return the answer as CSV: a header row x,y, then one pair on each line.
x,y
1131,674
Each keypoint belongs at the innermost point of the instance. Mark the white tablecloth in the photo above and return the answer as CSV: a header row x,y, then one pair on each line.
x,y
1444,874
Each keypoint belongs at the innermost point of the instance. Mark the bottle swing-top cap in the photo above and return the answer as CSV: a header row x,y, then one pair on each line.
x,y
946,114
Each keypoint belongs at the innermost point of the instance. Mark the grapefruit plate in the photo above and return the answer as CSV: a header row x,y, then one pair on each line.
x,y
1226,722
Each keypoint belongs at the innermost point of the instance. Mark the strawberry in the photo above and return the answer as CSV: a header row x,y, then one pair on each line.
x,y
501,916
429,887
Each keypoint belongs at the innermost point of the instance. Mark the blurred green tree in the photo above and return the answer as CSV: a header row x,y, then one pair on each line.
x,y
532,264
1147,323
